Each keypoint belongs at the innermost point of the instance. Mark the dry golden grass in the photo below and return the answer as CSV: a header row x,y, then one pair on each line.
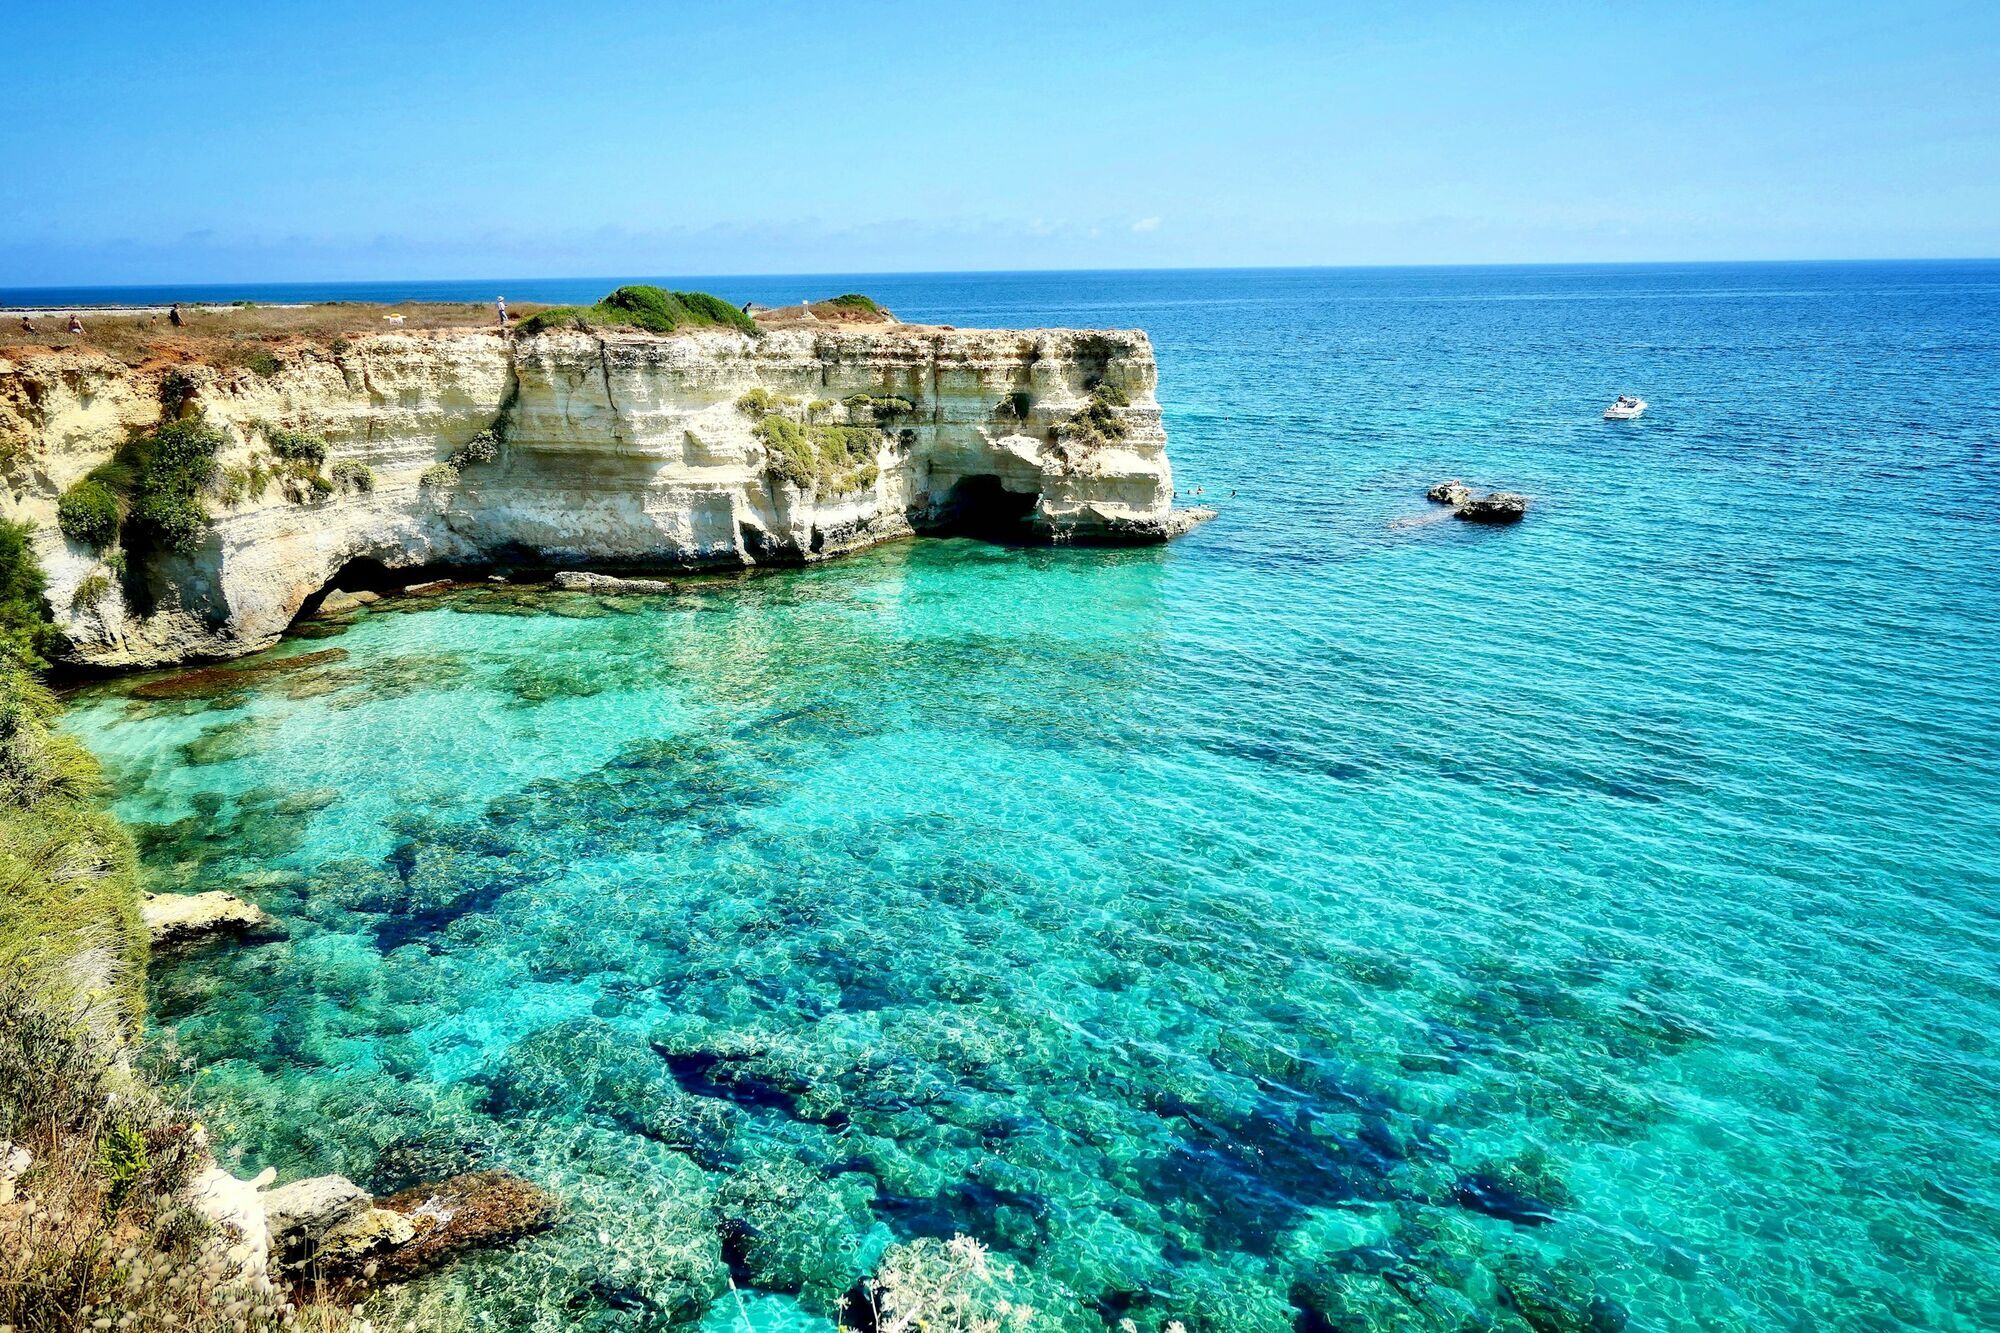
x,y
244,335
233,335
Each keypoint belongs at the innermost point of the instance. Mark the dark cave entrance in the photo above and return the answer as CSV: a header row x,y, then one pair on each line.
x,y
361,574
982,507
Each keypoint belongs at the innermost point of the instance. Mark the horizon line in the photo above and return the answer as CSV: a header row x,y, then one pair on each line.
x,y
1010,272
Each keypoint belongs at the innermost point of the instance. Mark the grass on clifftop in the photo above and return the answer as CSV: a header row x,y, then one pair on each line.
x,y
653,309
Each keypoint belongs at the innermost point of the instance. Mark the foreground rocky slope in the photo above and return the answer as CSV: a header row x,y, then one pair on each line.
x,y
612,447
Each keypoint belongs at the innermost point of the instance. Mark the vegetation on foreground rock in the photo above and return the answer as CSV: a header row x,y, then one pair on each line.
x,y
653,309
27,634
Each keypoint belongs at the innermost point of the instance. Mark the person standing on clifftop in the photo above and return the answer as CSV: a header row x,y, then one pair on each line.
x,y
502,303
174,314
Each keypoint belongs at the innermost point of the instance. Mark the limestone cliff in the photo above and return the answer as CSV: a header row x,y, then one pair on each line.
x,y
616,448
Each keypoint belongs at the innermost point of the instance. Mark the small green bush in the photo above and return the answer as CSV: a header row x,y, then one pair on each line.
x,y
881,404
177,389
856,301
833,458
791,455
644,307
169,470
93,589
760,401
1097,423
294,446
555,317
262,362
354,476
481,448
89,512
438,477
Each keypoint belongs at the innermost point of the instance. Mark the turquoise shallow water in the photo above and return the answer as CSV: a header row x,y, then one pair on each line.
x,y
1324,923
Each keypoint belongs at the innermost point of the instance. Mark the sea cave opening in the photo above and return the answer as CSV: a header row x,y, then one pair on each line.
x,y
980,506
361,574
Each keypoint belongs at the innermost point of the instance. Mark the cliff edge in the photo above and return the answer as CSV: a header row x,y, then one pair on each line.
x,y
570,445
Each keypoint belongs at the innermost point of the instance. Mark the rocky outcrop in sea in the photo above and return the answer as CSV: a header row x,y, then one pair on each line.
x,y
398,451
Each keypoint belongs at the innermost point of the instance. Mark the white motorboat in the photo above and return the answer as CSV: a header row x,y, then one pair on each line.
x,y
1625,408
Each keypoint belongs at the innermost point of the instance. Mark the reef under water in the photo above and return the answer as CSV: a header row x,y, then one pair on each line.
x,y
1375,930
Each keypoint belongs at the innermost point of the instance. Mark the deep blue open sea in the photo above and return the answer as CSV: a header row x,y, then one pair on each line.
x,y
1327,923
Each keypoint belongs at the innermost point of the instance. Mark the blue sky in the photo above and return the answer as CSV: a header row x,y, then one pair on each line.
x,y
239,142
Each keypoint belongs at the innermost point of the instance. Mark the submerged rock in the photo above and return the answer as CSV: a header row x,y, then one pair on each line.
x,y
1182,521
216,682
359,1239
302,1215
174,919
1453,493
338,602
483,1208
573,580
1499,507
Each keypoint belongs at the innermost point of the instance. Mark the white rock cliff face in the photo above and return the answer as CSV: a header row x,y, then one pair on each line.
x,y
618,448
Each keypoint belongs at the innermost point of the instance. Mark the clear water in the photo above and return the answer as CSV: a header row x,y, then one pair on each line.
x,y
1326,922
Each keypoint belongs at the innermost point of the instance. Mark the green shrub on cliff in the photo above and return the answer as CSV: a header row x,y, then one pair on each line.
x,y
171,466
790,453
150,490
1097,423
294,446
90,590
881,404
27,634
89,512
354,476
836,459
644,307
856,301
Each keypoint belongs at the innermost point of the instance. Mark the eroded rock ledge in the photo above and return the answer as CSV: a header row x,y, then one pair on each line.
x,y
621,448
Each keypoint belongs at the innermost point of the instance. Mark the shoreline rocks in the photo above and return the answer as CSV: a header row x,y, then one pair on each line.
x,y
174,920
573,580
301,1216
328,1226
1453,493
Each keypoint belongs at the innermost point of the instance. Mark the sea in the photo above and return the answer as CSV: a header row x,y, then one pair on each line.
x,y
1340,919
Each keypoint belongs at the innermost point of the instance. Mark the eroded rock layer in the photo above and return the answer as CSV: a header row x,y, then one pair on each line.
x,y
622,449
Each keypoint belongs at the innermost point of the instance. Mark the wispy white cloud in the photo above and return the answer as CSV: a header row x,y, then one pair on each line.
x,y
1146,224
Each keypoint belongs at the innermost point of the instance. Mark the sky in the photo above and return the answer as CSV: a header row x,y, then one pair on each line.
x,y
228,142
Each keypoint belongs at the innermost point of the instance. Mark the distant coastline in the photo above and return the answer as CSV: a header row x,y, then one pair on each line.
x,y
784,288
